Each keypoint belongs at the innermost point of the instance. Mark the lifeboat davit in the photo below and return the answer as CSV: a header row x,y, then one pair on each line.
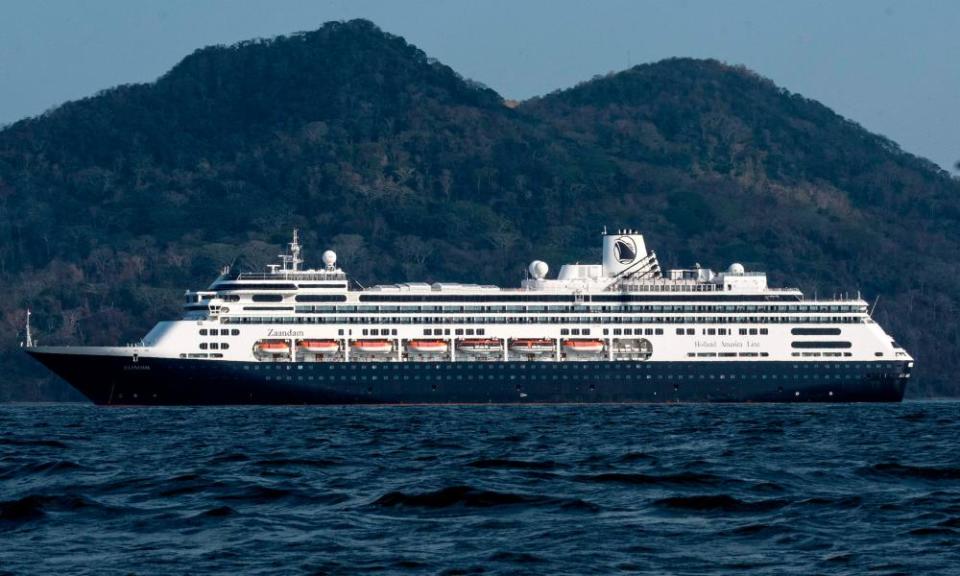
x,y
372,346
532,345
428,346
582,346
276,348
320,346
479,346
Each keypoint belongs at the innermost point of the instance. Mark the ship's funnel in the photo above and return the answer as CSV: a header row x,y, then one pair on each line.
x,y
621,251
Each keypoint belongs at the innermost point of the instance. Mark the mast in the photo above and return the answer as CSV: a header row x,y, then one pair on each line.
x,y
293,260
29,342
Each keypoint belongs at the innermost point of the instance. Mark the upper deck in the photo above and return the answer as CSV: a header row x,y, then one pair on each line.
x,y
629,281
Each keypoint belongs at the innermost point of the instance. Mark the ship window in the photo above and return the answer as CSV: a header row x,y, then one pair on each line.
x,y
659,331
743,331
815,331
564,331
394,331
447,331
469,331
481,331
586,332
764,331
617,331
203,331
711,331
224,346
214,346
691,331
234,332
458,332
679,331
818,344
575,331
267,298
203,345
753,331
320,298
214,332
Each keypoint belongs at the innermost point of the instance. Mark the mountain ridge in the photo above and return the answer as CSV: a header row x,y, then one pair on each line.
x,y
109,206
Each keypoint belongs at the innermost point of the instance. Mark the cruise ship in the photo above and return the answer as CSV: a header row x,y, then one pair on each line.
x,y
621,331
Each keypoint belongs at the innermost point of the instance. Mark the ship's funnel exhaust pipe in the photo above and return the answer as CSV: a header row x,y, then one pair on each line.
x,y
621,251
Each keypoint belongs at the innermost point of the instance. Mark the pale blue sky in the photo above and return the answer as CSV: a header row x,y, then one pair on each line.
x,y
891,65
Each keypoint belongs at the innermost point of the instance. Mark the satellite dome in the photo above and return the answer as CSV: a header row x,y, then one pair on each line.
x,y
736,268
538,269
329,258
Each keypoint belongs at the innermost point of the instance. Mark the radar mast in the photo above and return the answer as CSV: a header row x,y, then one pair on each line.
x,y
293,260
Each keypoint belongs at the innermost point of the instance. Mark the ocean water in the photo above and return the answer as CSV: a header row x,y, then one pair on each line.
x,y
686,489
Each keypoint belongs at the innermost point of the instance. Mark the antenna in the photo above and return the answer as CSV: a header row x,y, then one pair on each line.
x,y
295,259
29,343
874,307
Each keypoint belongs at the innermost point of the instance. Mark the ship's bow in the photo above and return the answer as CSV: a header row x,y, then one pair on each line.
x,y
88,373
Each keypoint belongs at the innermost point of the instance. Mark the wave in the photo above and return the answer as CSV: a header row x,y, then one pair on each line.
x,y
897,470
470,497
219,512
231,457
46,467
933,531
298,462
514,464
258,494
20,442
913,417
516,557
630,457
840,502
719,503
679,479
759,530
36,506
187,484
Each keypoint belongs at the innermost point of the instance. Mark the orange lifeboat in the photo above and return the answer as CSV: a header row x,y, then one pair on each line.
x,y
532,345
582,346
427,346
479,345
372,346
320,346
275,347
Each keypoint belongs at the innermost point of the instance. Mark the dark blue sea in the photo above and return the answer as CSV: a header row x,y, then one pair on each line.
x,y
687,489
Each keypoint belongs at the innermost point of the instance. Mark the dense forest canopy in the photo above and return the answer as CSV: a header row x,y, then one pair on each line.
x,y
112,205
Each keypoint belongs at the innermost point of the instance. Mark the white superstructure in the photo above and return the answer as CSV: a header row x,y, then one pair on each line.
x,y
625,308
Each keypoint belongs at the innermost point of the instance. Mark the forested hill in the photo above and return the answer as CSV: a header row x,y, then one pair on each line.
x,y
111,206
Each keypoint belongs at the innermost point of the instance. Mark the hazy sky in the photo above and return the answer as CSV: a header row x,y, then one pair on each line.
x,y
891,65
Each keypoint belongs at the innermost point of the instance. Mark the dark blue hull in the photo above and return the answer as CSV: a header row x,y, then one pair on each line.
x,y
155,381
